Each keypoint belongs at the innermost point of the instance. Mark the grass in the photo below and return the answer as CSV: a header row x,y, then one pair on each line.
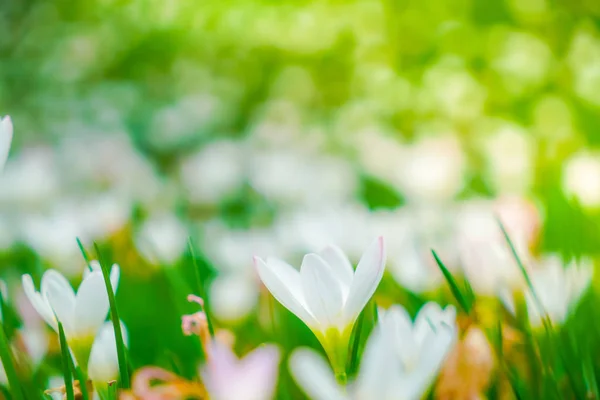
x,y
200,287
114,313
8,362
66,362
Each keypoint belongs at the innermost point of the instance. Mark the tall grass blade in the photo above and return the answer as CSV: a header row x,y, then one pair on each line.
x,y
82,378
66,363
114,313
456,292
84,253
8,362
355,344
534,295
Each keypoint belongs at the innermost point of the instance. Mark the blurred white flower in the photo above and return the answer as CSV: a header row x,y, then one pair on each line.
x,y
82,313
584,60
509,153
413,232
451,89
103,365
6,134
103,215
231,250
53,238
213,173
522,60
553,118
253,377
581,178
326,294
31,179
379,154
115,163
401,359
485,257
308,229
294,177
432,169
162,239
557,290
174,124
233,297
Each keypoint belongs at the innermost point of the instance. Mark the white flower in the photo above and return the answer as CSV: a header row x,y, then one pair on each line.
x,y
326,294
6,133
162,239
400,359
252,378
103,365
556,290
82,313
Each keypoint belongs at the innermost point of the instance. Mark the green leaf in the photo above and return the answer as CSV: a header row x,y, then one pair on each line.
x,y
114,313
462,301
200,286
66,364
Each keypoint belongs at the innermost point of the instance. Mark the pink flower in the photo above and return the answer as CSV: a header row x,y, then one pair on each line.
x,y
252,378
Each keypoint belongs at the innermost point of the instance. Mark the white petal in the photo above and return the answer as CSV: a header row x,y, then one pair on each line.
x,y
104,363
322,291
283,281
397,326
91,305
430,317
436,347
41,306
378,368
340,266
6,133
313,375
366,279
58,293
115,274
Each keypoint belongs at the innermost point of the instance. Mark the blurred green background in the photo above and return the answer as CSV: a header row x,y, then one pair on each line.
x,y
272,128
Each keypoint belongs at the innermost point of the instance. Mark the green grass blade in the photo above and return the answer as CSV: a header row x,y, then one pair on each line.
x,y
8,361
66,364
355,344
82,378
200,286
456,292
534,295
84,253
123,369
